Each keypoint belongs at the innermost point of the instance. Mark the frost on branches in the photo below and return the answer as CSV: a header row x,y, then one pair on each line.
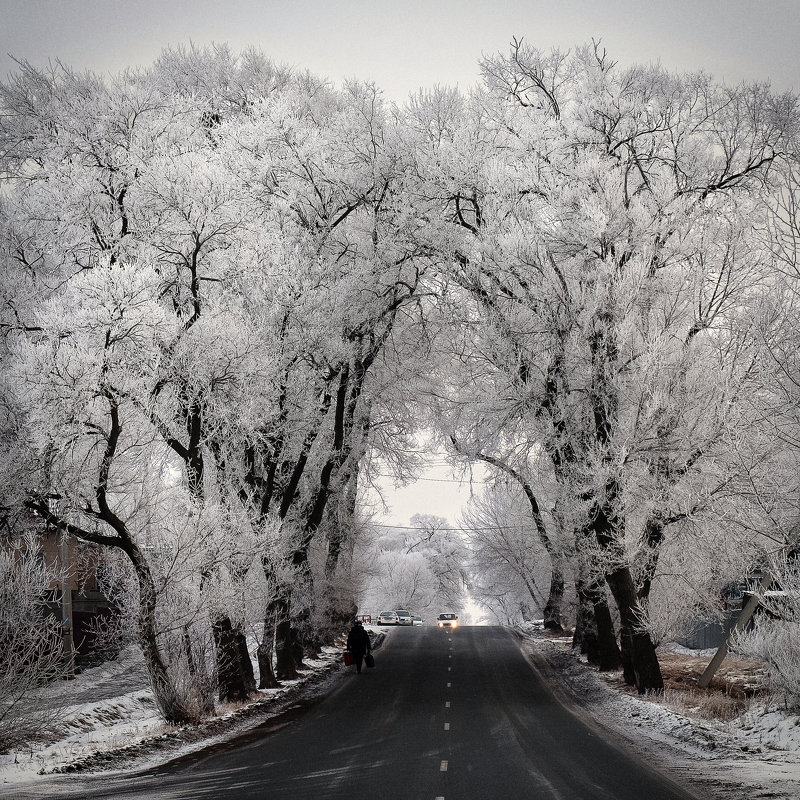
x,y
229,290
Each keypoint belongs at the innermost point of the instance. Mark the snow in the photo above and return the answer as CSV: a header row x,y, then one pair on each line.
x,y
112,725
756,754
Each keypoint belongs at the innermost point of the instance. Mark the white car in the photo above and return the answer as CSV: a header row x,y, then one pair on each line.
x,y
447,621
404,617
388,618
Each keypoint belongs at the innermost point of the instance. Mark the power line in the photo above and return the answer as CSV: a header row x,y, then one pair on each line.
x,y
436,480
463,530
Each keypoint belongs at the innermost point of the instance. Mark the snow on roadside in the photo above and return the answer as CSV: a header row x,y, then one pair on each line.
x,y
88,728
108,727
112,722
757,754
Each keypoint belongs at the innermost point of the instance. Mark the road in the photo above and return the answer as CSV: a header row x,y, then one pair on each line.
x,y
445,715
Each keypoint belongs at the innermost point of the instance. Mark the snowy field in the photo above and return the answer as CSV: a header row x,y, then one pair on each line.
x,y
111,725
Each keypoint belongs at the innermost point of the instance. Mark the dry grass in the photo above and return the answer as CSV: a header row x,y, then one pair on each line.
x,y
731,691
736,677
703,704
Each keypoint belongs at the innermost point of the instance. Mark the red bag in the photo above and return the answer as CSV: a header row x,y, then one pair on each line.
x,y
348,659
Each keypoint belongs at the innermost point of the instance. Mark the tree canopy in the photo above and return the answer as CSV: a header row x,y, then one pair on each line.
x,y
229,288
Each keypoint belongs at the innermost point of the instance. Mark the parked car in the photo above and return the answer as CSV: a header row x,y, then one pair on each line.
x,y
404,617
447,621
388,618
417,620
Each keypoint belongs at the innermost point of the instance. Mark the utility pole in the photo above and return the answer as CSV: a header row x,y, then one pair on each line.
x,y
744,617
66,593
66,605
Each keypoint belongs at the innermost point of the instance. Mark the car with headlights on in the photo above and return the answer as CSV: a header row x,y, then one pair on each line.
x,y
447,621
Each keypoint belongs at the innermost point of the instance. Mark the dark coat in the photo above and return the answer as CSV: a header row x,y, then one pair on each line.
x,y
358,640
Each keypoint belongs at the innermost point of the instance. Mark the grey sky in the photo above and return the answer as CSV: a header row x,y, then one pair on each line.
x,y
413,43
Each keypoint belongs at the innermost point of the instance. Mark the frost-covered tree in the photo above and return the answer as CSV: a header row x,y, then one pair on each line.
x,y
31,646
245,243
604,222
509,567
422,566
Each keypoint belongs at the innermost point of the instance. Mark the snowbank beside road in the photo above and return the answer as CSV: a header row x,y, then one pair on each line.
x,y
756,754
118,732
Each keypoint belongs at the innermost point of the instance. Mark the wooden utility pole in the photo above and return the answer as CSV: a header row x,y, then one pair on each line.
x,y
66,606
745,616
68,648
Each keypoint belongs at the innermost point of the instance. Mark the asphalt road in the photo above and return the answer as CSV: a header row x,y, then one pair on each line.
x,y
445,715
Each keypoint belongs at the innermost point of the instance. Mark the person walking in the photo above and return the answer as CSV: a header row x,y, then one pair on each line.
x,y
358,643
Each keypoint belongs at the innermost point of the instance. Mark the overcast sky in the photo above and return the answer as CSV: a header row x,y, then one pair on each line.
x,y
412,43
407,44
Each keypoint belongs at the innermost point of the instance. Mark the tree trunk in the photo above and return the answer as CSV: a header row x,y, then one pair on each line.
x,y
552,609
652,538
608,650
245,662
593,601
609,531
285,666
596,639
626,650
340,523
199,675
584,639
644,662
172,706
266,673
235,677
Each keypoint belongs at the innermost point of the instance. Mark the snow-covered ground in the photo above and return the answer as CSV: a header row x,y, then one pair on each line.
x,y
751,756
112,725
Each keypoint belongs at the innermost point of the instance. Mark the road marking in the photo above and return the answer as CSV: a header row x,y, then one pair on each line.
x,y
447,704
449,685
443,766
449,669
447,726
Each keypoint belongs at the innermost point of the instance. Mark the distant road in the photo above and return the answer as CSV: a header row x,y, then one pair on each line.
x,y
444,716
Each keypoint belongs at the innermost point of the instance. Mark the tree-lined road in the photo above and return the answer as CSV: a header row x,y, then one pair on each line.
x,y
459,716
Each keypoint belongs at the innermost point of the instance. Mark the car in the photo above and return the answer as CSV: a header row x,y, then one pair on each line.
x,y
417,620
447,621
388,618
404,617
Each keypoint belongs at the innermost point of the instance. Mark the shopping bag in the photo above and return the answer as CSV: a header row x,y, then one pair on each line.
x,y
369,660
348,659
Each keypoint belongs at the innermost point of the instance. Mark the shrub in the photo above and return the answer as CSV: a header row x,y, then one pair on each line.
x,y
31,654
776,642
